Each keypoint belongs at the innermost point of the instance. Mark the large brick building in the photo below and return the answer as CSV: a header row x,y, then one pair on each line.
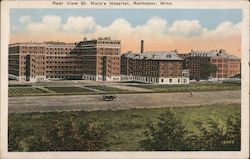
x,y
227,65
100,59
41,61
154,67
89,59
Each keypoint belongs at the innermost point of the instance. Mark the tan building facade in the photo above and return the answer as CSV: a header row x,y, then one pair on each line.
x,y
227,65
154,67
100,59
27,61
88,59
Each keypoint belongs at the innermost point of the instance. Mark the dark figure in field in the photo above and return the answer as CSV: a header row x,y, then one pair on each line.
x,y
191,93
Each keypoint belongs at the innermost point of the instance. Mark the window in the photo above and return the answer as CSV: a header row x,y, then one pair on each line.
x,y
170,80
161,80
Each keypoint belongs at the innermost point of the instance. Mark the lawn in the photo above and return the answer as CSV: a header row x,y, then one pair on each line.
x,y
68,90
28,90
36,91
108,89
25,90
125,127
191,87
19,85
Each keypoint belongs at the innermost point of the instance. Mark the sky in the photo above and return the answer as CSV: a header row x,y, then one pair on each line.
x,y
161,29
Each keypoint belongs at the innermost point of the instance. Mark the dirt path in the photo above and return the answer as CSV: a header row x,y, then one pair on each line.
x,y
125,101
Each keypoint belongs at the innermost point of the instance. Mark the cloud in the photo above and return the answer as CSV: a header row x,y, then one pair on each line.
x,y
238,25
223,30
79,24
115,29
157,31
49,23
155,28
186,28
25,19
227,28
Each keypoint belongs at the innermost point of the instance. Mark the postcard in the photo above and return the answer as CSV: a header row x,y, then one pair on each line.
x,y
124,79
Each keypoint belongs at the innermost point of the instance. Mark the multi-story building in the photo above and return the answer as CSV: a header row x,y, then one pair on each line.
x,y
88,59
100,59
154,67
127,66
41,61
227,65
61,61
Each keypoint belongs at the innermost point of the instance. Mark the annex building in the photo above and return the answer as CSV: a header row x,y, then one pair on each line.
x,y
154,67
97,59
227,65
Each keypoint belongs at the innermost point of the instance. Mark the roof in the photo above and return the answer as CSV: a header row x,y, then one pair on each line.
x,y
130,55
213,53
48,43
154,55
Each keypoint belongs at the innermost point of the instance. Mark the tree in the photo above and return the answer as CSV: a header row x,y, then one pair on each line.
x,y
215,136
17,136
212,135
207,69
14,137
233,133
71,136
169,134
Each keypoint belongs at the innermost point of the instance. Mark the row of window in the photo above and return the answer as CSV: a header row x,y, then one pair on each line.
x,y
225,60
170,75
62,62
59,48
32,47
63,67
197,60
150,79
65,77
63,72
108,53
108,42
62,57
32,52
58,53
109,49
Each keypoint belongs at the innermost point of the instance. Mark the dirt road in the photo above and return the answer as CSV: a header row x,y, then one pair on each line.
x,y
124,101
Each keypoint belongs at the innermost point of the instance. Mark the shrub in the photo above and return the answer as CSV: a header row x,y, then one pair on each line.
x,y
215,136
169,134
71,136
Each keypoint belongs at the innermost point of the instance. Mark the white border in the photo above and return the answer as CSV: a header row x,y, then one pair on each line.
x,y
244,153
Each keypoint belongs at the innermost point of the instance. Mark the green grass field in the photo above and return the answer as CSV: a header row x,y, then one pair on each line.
x,y
192,87
25,90
68,89
108,89
62,90
125,127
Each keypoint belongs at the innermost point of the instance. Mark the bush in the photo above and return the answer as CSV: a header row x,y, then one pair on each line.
x,y
215,136
212,136
169,134
71,136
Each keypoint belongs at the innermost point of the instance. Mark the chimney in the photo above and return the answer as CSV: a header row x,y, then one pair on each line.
x,y
142,47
